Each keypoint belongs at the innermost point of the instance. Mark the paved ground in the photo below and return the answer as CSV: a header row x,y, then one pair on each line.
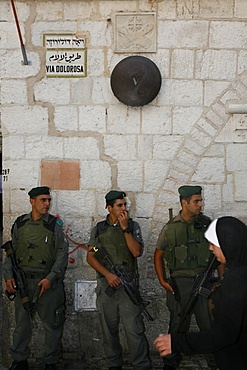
x,y
197,363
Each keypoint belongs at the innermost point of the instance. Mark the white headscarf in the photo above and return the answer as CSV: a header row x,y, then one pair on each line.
x,y
211,235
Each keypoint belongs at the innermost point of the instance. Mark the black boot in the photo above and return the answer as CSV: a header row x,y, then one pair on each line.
x,y
19,365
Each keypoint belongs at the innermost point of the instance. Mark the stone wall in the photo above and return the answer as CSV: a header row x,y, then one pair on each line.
x,y
187,135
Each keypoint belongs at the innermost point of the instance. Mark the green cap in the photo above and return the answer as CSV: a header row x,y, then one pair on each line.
x,y
115,194
188,191
34,192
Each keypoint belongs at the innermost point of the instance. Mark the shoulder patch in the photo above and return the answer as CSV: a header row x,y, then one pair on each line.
x,y
59,222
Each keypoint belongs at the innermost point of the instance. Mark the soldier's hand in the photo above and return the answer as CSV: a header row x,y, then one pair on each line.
x,y
11,285
113,280
44,284
163,344
123,219
168,287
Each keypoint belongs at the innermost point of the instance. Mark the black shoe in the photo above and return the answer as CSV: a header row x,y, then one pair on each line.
x,y
115,368
50,367
19,365
168,367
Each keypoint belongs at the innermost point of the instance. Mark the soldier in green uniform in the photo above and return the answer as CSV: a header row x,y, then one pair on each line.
x,y
186,251
41,251
121,238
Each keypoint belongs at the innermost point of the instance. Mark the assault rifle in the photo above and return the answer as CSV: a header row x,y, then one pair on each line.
x,y
20,280
123,277
200,287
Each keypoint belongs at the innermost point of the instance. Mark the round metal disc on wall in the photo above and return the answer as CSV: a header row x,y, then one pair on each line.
x,y
136,81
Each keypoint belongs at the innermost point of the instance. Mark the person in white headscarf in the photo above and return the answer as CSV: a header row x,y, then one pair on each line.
x,y
228,337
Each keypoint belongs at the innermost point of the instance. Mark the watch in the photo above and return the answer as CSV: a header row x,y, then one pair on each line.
x,y
127,230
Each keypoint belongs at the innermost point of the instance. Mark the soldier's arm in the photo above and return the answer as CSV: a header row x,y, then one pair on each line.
x,y
134,243
159,268
111,278
61,254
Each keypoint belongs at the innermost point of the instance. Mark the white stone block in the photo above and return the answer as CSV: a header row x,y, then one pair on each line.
x,y
185,93
92,118
230,35
145,147
188,9
38,29
83,203
182,34
81,91
19,203
240,9
98,33
122,119
210,170
156,120
192,146
45,147
53,90
116,145
187,157
23,173
215,150
206,126
25,120
13,147
145,204
162,60
95,175
228,96
216,64
102,93
130,175
66,118
236,157
209,9
212,200
227,132
184,119
166,9
22,10
242,61
212,117
83,148
75,10
200,137
13,91
228,190
213,90
7,41
182,65
240,186
49,11
95,62
180,176
154,174
108,7
12,66
165,147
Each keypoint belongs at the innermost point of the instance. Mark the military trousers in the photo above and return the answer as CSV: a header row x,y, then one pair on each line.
x,y
111,311
50,308
201,312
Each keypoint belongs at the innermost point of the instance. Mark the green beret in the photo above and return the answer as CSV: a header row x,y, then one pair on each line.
x,y
115,194
38,191
187,190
